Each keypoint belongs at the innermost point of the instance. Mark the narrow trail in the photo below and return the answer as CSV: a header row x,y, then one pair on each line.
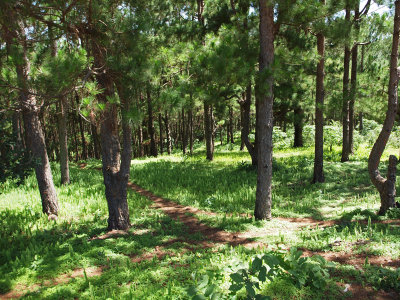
x,y
212,236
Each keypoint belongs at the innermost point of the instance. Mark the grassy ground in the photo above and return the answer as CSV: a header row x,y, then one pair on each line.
x,y
41,257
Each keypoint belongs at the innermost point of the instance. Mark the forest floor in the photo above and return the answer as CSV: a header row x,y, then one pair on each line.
x,y
199,224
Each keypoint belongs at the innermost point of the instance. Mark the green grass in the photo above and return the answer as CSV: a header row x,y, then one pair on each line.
x,y
35,252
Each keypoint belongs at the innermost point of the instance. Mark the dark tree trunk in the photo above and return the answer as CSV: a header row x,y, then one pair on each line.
x,y
15,31
298,126
245,107
82,131
353,89
208,131
346,92
63,139
96,144
319,112
360,121
191,131
75,137
232,140
387,186
183,132
265,118
16,128
168,133
153,146
115,166
62,124
161,133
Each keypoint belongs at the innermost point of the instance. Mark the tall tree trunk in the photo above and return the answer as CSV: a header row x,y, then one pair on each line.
x,y
245,106
15,31
73,127
161,133
265,104
232,140
153,146
168,133
140,141
298,126
387,186
63,139
191,131
319,111
184,140
353,89
361,123
62,124
208,131
115,166
16,129
82,131
346,92
96,144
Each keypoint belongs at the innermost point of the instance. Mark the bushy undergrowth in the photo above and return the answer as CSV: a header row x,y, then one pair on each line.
x,y
253,280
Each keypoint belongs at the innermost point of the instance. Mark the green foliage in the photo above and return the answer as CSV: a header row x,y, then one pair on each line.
x,y
270,267
15,161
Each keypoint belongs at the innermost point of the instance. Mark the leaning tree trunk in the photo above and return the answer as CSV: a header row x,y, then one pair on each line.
x,y
346,92
15,31
265,99
387,186
245,107
208,131
319,112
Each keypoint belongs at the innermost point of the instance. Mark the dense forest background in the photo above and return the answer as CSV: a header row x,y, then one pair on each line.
x,y
116,81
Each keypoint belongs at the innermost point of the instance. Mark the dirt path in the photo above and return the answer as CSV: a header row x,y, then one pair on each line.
x,y
186,215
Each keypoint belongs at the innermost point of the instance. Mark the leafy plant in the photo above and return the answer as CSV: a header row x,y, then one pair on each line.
x,y
291,266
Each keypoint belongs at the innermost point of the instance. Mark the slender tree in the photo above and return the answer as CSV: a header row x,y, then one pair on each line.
x,y
13,30
319,111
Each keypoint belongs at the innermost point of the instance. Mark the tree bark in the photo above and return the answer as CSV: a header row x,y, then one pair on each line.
x,y
353,81
265,104
183,132
15,31
161,133
140,141
298,126
168,133
232,140
208,131
191,131
346,93
153,146
386,186
63,140
246,107
62,124
319,111
361,123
